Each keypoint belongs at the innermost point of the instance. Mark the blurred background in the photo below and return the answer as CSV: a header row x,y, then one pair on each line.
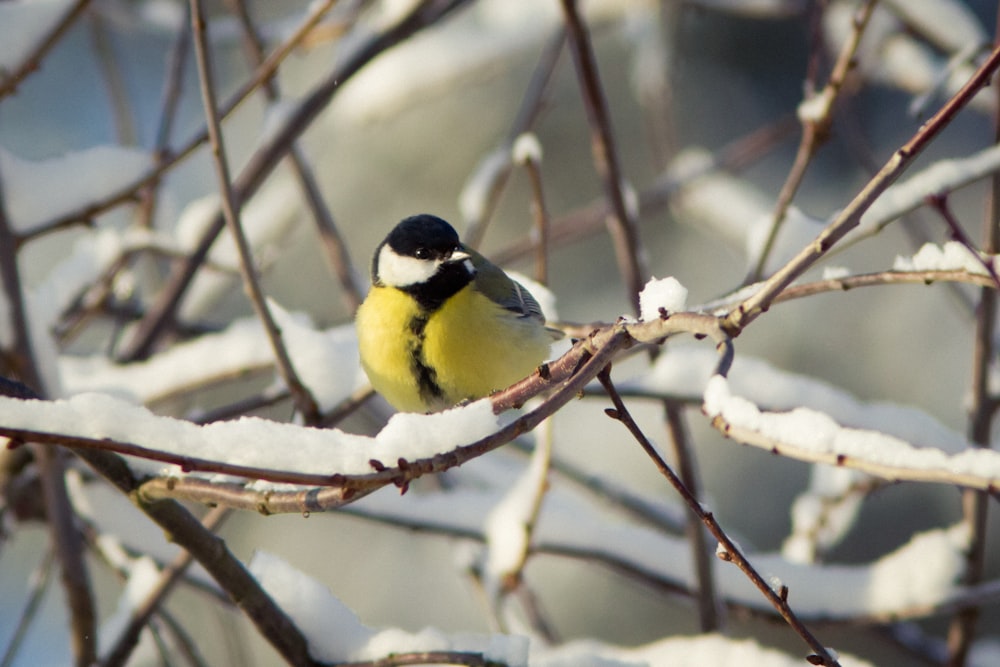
x,y
405,135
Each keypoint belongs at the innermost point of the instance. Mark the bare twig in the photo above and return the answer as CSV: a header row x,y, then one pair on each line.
x,y
708,605
38,583
128,638
304,400
9,81
68,547
962,630
532,165
531,106
731,552
815,132
211,552
621,225
850,216
330,236
261,164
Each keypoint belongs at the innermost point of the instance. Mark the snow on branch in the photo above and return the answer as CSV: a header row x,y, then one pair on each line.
x,y
810,435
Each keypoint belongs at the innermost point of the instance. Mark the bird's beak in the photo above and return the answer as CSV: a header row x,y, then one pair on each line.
x,y
459,256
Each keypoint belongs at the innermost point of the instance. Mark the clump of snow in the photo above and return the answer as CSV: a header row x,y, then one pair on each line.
x,y
267,220
335,634
664,293
83,178
835,272
815,108
325,360
526,149
952,256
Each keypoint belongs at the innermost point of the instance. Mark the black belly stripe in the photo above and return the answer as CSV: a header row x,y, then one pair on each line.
x,y
427,384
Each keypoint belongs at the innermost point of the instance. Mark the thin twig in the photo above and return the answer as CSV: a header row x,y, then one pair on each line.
x,y
531,106
962,629
142,611
212,553
731,552
850,216
708,605
38,583
304,400
10,81
815,132
173,157
532,165
621,223
260,165
332,241
68,546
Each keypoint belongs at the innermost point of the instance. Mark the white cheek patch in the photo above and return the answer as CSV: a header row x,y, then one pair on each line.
x,y
396,270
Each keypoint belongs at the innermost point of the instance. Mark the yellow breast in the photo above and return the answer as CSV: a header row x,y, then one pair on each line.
x,y
467,348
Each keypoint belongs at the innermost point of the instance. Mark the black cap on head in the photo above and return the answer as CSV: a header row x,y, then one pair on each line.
x,y
423,234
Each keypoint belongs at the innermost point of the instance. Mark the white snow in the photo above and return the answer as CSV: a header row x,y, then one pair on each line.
x,y
835,272
661,293
84,177
252,441
952,256
506,526
679,651
22,24
949,24
326,361
336,634
812,435
143,577
526,149
918,573
267,221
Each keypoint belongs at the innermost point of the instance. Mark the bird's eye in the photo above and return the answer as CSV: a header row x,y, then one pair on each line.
x,y
422,253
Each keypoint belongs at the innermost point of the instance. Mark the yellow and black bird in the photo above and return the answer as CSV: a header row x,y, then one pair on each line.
x,y
441,323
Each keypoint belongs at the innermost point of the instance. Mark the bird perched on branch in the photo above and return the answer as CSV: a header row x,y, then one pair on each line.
x,y
441,323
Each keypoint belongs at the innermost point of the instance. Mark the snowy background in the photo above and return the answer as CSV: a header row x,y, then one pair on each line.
x,y
878,376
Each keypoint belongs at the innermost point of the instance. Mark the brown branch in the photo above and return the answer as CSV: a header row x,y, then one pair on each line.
x,y
68,546
260,165
621,225
303,398
128,638
169,159
731,553
815,133
211,552
708,605
850,216
10,81
527,113
330,237
468,658
962,630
